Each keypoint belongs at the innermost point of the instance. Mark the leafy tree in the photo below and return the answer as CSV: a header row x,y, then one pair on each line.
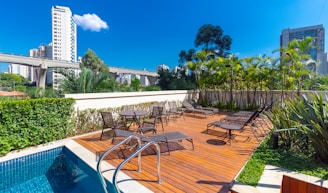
x,y
37,92
176,81
212,39
296,58
85,82
316,82
186,56
13,81
94,77
91,61
152,88
107,85
135,84
165,78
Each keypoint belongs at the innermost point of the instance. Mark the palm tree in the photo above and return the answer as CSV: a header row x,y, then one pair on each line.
x,y
263,73
296,57
234,66
254,71
248,70
198,67
85,82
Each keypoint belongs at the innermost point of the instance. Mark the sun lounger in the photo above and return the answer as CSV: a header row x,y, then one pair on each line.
x,y
243,116
248,113
235,125
190,108
165,137
198,106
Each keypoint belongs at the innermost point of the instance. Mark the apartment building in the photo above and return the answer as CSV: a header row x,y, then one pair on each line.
x,y
64,40
318,53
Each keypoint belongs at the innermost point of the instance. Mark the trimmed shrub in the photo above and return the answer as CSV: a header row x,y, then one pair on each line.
x,y
25,123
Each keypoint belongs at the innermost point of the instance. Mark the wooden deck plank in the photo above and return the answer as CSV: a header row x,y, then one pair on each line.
x,y
210,167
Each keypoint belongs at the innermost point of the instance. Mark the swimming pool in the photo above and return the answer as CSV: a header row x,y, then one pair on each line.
x,y
55,170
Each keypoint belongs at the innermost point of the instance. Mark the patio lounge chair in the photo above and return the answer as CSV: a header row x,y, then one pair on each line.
x,y
190,108
243,116
233,125
165,137
109,122
248,113
198,106
156,116
175,112
143,129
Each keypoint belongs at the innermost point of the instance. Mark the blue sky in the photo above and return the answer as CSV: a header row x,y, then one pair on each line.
x,y
146,33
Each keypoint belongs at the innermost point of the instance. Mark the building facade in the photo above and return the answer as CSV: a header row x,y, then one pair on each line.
x,y
317,32
63,34
64,40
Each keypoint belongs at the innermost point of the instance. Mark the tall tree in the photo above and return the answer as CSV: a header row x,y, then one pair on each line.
x,y
176,80
91,61
296,57
135,84
165,78
186,56
212,39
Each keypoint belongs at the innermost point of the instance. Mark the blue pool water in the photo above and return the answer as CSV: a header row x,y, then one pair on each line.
x,y
56,170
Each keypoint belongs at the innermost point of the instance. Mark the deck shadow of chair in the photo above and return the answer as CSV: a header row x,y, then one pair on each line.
x,y
155,117
110,123
236,126
165,137
191,109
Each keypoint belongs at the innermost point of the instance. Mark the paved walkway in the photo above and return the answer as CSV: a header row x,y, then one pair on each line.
x,y
271,180
272,176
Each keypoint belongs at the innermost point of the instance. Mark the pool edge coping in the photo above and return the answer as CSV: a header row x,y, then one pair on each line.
x,y
126,184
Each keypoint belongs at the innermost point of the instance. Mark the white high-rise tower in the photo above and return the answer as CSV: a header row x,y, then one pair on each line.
x,y
64,37
63,34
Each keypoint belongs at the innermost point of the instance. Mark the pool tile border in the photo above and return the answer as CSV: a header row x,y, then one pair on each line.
x,y
125,183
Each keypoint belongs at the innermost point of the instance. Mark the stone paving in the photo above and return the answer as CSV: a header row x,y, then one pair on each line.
x,y
272,177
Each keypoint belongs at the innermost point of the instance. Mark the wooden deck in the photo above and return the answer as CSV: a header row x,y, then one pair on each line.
x,y
210,167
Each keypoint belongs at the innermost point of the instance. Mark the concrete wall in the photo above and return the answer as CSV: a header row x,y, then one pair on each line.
x,y
117,99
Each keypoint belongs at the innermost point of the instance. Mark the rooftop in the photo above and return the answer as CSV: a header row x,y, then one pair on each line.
x,y
210,167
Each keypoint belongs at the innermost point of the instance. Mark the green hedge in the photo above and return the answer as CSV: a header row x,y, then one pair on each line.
x,y
25,123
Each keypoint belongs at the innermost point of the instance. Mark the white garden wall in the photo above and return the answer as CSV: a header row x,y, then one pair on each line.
x,y
117,99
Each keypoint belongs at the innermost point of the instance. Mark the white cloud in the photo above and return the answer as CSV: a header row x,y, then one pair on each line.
x,y
90,22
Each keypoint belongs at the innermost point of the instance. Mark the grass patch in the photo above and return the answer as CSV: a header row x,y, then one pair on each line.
x,y
305,164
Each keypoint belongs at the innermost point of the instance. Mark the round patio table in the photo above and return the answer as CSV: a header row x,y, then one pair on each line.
x,y
129,114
